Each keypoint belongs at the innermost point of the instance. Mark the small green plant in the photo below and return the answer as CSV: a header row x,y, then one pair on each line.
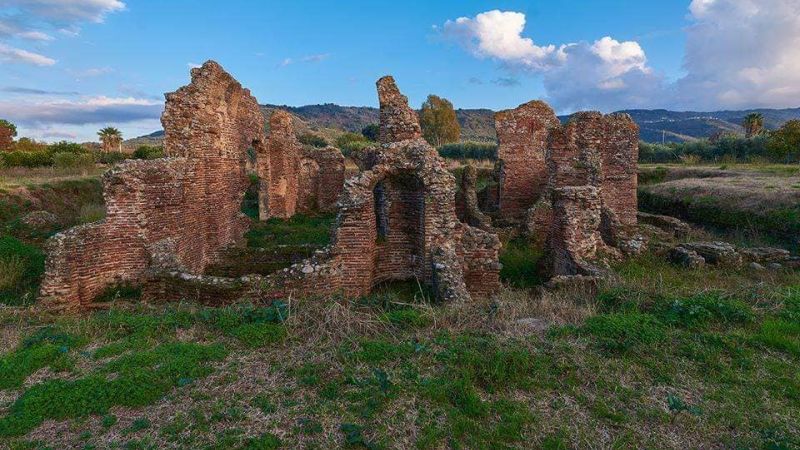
x,y
139,424
108,420
267,441
704,308
677,405
264,403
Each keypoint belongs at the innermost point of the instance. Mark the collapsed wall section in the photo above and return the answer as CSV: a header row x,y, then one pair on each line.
x,y
175,213
299,179
573,185
397,221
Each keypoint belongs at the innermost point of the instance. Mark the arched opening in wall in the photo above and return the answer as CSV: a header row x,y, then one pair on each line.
x,y
250,200
399,202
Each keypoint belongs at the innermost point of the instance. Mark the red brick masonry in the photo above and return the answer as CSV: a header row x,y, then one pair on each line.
x,y
167,219
174,213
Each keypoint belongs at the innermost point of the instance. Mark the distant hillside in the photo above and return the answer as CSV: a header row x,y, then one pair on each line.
x,y
155,138
478,124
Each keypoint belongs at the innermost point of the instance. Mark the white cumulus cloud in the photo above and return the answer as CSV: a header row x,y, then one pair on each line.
x,y
601,74
742,53
739,53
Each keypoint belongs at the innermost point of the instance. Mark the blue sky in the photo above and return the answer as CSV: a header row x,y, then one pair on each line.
x,y
110,61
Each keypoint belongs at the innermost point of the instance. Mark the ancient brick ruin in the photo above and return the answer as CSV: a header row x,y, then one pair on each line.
x,y
169,219
523,135
397,221
173,213
297,179
572,186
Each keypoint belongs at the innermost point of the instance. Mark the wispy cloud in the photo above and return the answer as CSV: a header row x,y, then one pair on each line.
x,y
91,72
33,20
18,55
193,65
506,82
475,81
305,59
92,110
32,91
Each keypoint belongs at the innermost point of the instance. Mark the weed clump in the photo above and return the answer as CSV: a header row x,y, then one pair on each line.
x,y
704,308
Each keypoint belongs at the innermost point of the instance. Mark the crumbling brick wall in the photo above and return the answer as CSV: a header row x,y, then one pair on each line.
x,y
397,221
537,153
398,122
574,186
301,180
591,186
283,166
321,180
174,213
523,135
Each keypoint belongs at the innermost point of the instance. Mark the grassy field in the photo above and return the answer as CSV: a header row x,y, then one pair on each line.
x,y
657,356
742,199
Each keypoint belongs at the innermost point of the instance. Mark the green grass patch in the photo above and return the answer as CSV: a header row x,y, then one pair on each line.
x,y
299,230
620,332
256,335
21,270
704,308
139,379
521,264
48,347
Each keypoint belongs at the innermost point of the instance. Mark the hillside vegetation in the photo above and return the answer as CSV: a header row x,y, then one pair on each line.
x,y
478,124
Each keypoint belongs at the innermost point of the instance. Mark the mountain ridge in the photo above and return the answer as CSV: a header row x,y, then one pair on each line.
x,y
656,125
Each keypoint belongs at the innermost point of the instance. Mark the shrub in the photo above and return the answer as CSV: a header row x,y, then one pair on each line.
x,y
66,147
520,260
313,140
148,152
26,159
618,332
346,138
67,160
111,157
469,150
371,132
690,160
352,146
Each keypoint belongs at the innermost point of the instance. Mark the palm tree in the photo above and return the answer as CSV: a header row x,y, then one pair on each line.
x,y
753,124
111,139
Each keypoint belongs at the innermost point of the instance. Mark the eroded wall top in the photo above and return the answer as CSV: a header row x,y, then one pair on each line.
x,y
213,116
398,122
